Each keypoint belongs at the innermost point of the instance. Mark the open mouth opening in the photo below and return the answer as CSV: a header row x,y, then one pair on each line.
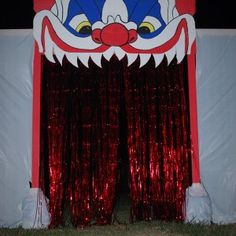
x,y
114,141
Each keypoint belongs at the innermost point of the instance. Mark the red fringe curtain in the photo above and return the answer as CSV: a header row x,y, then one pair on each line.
x,y
80,139
158,140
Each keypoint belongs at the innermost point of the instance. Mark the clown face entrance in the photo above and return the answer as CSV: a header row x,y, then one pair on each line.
x,y
119,128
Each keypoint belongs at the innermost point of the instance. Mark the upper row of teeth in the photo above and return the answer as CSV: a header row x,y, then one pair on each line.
x,y
52,49
97,57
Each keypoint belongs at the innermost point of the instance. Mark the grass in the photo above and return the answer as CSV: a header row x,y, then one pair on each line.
x,y
154,228
122,227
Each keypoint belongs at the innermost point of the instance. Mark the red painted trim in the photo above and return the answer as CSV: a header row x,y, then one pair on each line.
x,y
186,6
193,114
36,117
43,5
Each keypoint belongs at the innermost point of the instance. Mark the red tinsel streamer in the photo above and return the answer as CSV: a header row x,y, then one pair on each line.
x,y
158,141
106,143
80,140
55,139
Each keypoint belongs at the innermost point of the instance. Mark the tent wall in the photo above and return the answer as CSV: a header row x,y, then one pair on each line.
x,y
216,82
16,55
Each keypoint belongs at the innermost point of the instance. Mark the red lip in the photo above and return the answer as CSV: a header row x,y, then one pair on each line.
x,y
127,47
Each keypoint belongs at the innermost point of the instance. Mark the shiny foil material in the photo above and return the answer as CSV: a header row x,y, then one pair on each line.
x,y
80,140
158,141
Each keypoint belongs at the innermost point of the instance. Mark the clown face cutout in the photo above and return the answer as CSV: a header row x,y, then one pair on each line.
x,y
92,29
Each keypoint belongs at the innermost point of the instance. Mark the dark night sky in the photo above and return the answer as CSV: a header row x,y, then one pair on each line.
x,y
209,14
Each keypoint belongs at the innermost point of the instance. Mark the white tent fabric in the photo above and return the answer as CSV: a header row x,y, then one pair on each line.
x,y
216,84
16,55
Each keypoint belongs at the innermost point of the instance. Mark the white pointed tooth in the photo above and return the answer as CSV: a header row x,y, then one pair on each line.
x,y
158,59
144,58
180,47
84,58
170,55
108,54
48,47
97,59
72,58
119,53
59,53
131,58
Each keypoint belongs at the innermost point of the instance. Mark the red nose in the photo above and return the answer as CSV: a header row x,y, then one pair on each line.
x,y
114,34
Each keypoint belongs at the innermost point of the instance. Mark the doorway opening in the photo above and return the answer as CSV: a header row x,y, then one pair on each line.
x,y
92,119
122,203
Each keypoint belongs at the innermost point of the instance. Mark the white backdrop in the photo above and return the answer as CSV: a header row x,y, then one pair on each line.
x,y
16,50
216,84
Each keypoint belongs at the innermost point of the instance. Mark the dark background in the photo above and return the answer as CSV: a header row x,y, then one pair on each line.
x,y
210,14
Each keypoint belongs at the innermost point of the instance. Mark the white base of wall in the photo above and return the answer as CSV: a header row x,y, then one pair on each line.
x,y
35,210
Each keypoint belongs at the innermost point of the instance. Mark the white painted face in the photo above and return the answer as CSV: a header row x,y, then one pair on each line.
x,y
114,9
77,30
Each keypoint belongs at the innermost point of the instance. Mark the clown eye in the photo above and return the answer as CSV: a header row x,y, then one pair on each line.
x,y
84,28
81,24
145,28
149,25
